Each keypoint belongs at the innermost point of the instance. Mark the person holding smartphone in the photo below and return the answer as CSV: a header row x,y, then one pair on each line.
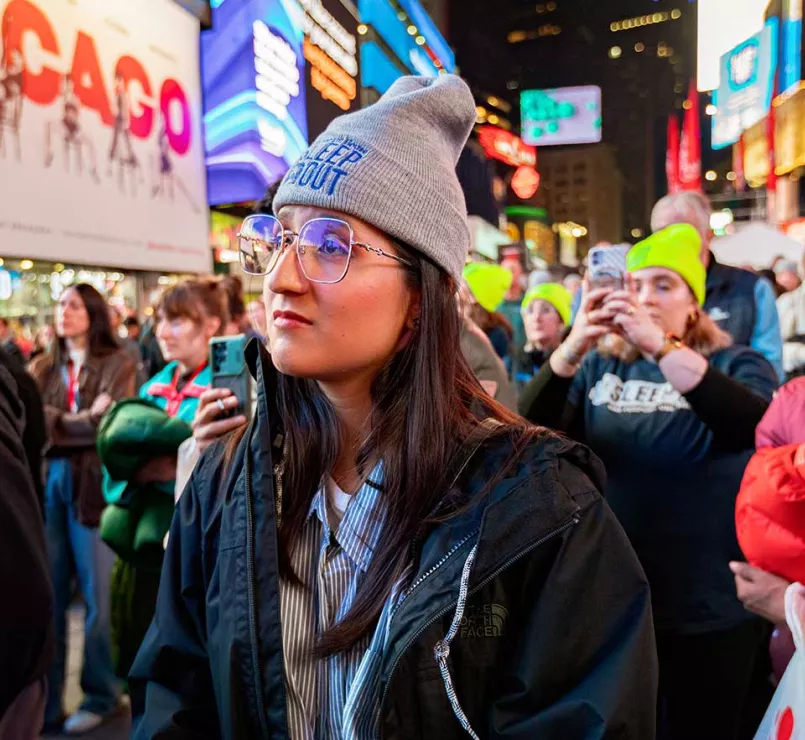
x,y
649,382
385,550
188,316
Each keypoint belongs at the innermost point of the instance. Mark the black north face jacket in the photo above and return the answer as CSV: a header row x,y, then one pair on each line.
x,y
527,617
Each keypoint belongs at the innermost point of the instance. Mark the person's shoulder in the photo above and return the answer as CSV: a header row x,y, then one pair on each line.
x,y
738,361
560,471
737,354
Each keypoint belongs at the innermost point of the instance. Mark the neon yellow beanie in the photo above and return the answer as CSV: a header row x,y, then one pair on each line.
x,y
557,295
676,248
488,283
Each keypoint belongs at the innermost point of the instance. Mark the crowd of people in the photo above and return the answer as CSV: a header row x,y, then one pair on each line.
x,y
469,500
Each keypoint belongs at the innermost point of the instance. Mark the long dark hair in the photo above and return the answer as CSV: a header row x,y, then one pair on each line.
x,y
426,403
101,337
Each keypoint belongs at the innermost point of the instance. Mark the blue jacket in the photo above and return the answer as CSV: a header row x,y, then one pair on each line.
x,y
744,305
532,591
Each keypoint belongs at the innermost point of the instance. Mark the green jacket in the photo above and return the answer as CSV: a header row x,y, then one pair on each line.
x,y
134,432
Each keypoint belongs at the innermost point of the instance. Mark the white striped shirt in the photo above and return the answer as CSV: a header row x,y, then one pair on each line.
x,y
336,697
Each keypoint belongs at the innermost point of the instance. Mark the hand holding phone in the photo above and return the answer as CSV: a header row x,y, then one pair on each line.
x,y
607,267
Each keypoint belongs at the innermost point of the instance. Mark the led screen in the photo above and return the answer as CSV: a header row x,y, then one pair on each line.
x,y
568,115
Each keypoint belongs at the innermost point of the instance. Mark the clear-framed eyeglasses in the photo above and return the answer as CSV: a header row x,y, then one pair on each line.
x,y
323,247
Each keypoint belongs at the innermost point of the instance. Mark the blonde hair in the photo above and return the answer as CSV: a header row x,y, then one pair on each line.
x,y
702,336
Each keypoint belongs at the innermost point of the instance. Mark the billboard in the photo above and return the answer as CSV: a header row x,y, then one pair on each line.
x,y
255,105
722,25
791,46
567,115
410,35
274,73
332,71
745,93
101,151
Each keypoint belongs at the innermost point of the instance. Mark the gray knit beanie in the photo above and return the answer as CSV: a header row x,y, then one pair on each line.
x,y
393,165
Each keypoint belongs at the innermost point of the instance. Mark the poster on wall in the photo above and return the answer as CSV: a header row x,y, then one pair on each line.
x,y
255,106
101,152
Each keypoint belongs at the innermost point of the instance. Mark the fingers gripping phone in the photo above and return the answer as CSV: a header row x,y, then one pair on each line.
x,y
228,370
607,266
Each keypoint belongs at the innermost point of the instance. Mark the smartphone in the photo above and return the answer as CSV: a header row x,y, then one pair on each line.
x,y
607,266
228,369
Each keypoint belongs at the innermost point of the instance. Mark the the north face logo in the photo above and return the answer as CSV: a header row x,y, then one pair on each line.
x,y
487,620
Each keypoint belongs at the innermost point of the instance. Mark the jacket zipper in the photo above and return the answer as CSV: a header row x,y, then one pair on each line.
x,y
428,573
514,558
258,684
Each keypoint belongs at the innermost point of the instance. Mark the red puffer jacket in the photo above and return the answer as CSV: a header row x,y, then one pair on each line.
x,y
770,509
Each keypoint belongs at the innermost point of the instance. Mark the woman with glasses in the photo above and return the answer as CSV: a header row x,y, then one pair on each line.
x,y
384,550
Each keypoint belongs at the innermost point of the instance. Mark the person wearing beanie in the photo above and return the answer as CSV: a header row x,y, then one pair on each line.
x,y
740,302
385,551
670,404
488,285
546,315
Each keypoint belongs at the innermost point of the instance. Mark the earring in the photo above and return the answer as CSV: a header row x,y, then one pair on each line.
x,y
416,323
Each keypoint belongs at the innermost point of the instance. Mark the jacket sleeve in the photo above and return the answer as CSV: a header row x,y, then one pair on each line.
x,y
170,682
585,664
766,337
27,614
732,403
549,400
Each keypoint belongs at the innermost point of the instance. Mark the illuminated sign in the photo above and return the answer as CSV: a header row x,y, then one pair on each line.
x,y
525,182
413,39
505,146
723,25
255,107
331,52
791,46
747,85
568,115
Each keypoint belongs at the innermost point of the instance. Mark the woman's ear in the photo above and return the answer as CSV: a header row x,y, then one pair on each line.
x,y
414,311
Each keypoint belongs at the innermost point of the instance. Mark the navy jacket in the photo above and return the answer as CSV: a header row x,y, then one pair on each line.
x,y
730,300
553,634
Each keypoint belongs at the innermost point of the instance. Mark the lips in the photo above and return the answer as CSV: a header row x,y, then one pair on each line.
x,y
290,318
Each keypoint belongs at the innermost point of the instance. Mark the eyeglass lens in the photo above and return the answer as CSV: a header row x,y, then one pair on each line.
x,y
323,247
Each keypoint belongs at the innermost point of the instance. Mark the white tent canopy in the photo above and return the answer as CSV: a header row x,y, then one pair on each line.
x,y
757,244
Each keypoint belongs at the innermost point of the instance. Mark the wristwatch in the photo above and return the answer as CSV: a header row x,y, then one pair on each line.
x,y
671,343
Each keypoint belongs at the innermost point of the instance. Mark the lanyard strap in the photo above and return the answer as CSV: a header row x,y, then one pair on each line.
x,y
73,374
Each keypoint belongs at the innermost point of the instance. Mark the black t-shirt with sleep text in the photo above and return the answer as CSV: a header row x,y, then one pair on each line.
x,y
672,485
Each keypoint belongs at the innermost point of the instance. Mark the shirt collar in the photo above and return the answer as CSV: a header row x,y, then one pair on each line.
x,y
360,529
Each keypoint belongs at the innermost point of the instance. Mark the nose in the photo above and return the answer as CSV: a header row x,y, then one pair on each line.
x,y
645,295
287,275
162,330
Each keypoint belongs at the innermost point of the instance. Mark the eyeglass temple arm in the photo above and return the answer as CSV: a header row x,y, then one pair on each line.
x,y
377,250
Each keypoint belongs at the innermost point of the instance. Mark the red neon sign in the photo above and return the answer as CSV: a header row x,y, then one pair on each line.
x,y
525,182
505,146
